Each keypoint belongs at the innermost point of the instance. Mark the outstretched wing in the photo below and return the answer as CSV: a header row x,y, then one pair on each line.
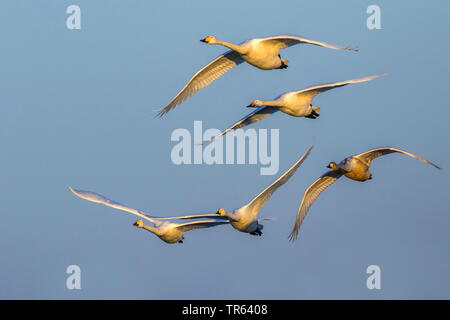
x,y
200,224
95,197
311,92
311,195
368,156
257,203
284,41
257,115
197,216
204,77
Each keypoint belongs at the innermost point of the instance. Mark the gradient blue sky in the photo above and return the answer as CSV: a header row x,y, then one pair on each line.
x,y
77,109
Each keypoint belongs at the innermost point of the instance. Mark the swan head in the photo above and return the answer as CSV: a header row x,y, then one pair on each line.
x,y
332,165
210,40
255,103
221,212
139,224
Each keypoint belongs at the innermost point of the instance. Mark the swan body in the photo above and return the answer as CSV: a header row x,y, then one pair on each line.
x,y
243,220
262,53
257,53
355,167
168,231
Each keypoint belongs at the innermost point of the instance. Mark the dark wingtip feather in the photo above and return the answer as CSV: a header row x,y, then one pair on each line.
x,y
350,48
293,236
160,112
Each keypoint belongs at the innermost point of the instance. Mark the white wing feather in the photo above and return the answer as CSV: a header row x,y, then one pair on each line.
x,y
204,77
258,202
284,41
310,196
257,115
200,224
378,152
311,92
95,197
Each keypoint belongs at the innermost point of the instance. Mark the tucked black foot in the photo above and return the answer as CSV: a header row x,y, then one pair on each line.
x,y
312,115
283,66
181,241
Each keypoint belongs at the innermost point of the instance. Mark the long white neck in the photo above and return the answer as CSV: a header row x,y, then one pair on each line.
x,y
232,216
154,230
231,46
273,103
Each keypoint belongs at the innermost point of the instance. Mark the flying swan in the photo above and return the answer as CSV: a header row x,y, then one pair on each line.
x,y
167,231
355,167
294,103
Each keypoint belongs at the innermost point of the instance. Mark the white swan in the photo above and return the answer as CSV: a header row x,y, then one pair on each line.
x,y
167,231
355,167
295,103
262,53
245,219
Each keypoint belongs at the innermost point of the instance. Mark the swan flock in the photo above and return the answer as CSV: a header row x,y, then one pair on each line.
x,y
264,54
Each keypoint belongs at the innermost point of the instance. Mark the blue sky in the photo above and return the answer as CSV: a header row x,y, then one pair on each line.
x,y
78,109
